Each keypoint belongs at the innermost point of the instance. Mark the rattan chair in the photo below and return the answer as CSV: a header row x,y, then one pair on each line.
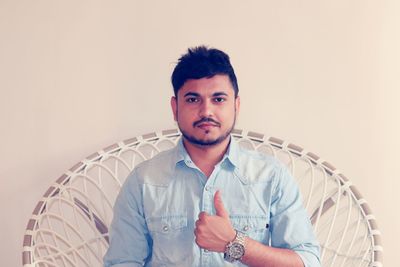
x,y
69,226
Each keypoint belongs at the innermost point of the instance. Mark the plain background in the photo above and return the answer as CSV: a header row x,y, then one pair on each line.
x,y
76,76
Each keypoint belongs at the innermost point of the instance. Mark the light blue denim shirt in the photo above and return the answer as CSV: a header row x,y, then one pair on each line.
x,y
156,210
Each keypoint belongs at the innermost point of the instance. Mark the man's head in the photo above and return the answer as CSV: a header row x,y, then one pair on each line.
x,y
206,103
202,62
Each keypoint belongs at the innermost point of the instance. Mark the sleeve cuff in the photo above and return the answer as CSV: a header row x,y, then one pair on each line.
x,y
309,259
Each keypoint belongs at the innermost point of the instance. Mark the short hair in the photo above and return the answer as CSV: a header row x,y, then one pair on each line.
x,y
202,62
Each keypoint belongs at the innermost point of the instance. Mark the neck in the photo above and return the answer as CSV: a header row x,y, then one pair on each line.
x,y
206,157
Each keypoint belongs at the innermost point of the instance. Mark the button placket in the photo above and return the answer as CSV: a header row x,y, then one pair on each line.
x,y
205,257
165,228
208,189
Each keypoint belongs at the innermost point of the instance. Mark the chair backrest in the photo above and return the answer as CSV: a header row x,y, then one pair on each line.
x,y
69,226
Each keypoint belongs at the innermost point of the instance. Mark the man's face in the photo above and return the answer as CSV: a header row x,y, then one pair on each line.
x,y
205,109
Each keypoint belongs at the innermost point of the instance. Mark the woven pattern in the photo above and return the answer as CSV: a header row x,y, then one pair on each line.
x,y
69,226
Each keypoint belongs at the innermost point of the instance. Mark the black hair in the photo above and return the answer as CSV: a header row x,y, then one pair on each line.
x,y
202,62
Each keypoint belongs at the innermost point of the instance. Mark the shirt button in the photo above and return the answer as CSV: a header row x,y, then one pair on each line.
x,y
206,251
246,228
165,228
208,188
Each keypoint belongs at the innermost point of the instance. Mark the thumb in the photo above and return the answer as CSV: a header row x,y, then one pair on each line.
x,y
219,206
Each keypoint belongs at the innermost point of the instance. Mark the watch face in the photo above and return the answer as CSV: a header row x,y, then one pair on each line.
x,y
236,251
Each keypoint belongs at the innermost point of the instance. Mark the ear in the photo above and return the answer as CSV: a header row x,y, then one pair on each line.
x,y
237,105
174,107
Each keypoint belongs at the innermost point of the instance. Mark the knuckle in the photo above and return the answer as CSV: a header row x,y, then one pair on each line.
x,y
199,230
200,242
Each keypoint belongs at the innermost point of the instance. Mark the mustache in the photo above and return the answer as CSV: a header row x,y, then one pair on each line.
x,y
206,120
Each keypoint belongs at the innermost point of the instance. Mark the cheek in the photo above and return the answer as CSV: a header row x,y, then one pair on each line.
x,y
184,116
229,114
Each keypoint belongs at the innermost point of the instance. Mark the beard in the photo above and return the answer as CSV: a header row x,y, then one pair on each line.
x,y
207,142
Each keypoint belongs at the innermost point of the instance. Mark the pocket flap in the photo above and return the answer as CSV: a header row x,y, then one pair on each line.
x,y
165,224
249,223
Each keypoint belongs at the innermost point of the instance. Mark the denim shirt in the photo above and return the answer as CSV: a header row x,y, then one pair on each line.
x,y
158,205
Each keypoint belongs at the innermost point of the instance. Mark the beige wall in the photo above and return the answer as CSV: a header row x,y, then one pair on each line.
x,y
76,76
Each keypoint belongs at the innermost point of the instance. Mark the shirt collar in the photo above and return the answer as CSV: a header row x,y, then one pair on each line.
x,y
180,152
232,153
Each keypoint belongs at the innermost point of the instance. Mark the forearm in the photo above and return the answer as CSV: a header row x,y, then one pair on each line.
x,y
258,254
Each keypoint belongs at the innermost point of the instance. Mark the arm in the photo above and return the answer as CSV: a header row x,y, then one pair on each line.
x,y
129,237
290,226
215,232
293,242
258,254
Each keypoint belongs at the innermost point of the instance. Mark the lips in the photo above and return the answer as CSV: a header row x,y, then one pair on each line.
x,y
206,123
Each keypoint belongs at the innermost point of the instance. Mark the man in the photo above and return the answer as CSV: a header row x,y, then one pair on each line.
x,y
207,202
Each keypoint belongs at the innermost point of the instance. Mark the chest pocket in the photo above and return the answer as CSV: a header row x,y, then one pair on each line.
x,y
171,239
256,227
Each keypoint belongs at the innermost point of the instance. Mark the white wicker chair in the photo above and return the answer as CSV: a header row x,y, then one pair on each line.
x,y
69,226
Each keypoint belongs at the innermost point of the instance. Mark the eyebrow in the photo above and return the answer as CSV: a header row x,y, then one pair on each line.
x,y
220,94
197,94
191,94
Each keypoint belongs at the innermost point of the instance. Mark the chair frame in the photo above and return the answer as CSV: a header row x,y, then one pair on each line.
x,y
375,250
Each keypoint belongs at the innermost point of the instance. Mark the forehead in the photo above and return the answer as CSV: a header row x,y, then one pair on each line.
x,y
206,86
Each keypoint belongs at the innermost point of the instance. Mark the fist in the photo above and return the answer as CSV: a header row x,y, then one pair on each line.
x,y
214,232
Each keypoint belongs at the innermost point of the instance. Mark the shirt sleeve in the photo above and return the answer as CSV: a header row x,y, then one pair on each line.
x,y
290,225
129,237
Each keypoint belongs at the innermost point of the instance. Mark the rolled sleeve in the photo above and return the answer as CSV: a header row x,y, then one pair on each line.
x,y
309,255
290,225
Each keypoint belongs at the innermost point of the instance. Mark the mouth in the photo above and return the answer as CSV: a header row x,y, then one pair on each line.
x,y
206,123
206,126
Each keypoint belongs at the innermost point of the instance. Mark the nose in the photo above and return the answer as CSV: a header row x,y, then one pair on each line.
x,y
206,109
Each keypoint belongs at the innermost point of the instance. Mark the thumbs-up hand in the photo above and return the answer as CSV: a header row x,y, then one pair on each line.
x,y
214,232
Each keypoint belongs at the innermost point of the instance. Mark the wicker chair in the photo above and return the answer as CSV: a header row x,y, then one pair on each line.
x,y
69,226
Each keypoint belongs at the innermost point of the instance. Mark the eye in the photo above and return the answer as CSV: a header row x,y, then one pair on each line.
x,y
219,99
192,100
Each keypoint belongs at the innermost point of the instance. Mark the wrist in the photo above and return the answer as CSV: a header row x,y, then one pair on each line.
x,y
235,250
231,236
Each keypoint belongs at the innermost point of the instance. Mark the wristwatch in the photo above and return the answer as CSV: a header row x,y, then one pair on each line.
x,y
235,249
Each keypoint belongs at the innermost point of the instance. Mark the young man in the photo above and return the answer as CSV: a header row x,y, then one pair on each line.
x,y
207,202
